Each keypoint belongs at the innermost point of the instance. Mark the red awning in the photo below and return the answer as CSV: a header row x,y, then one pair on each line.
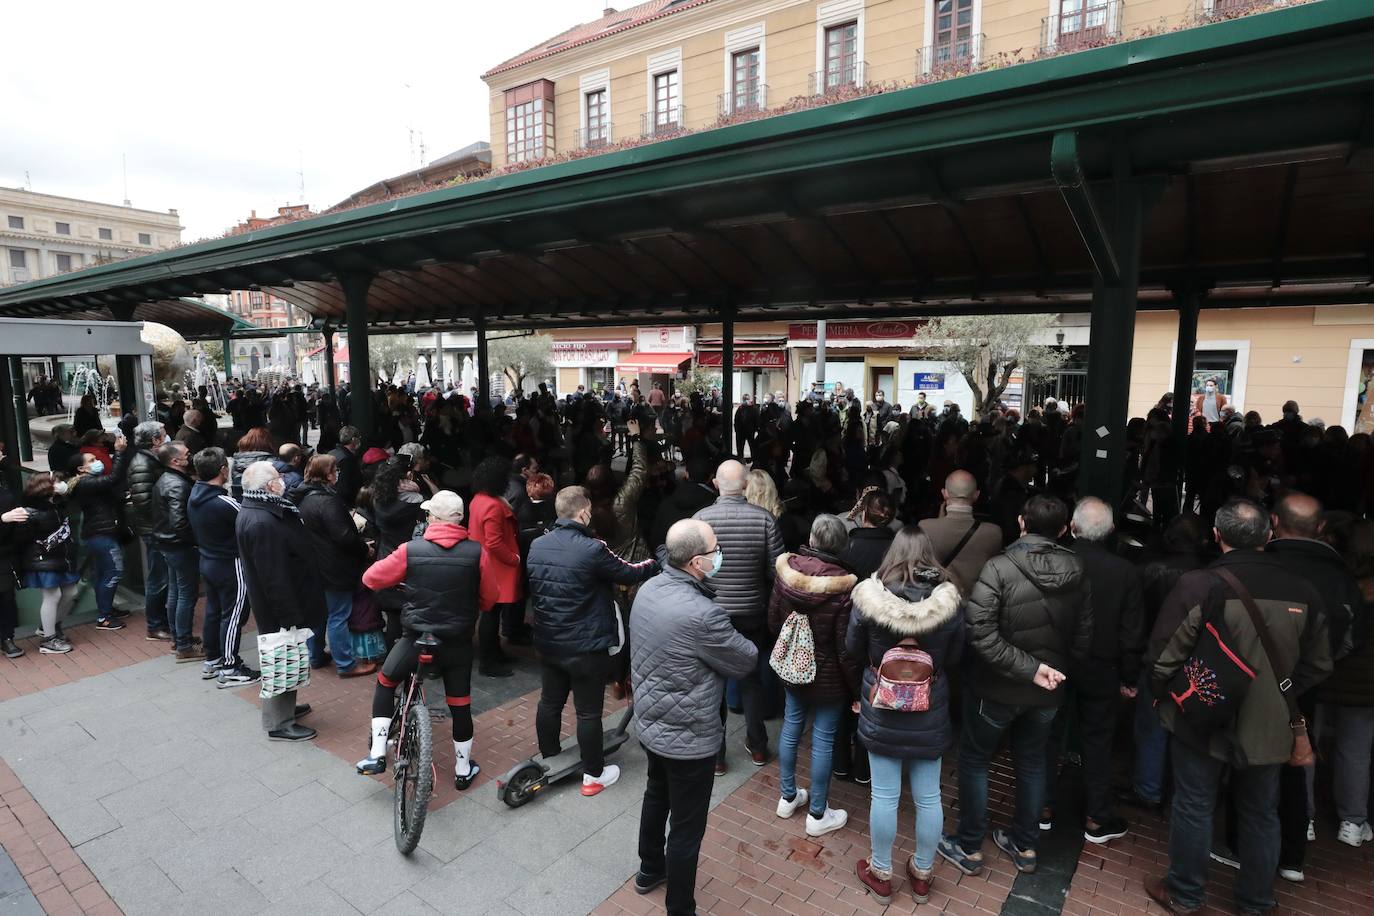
x,y
652,362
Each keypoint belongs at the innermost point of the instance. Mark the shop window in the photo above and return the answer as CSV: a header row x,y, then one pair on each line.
x,y
1215,364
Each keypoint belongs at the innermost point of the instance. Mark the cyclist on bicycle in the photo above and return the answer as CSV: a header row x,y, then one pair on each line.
x,y
439,576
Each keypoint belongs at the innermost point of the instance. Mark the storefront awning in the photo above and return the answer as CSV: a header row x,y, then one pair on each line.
x,y
746,359
653,362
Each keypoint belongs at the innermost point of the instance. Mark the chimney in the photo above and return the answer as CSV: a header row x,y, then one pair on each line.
x,y
608,11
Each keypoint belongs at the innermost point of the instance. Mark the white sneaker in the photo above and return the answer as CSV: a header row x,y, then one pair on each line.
x,y
1292,874
1311,831
1355,834
788,808
831,821
592,785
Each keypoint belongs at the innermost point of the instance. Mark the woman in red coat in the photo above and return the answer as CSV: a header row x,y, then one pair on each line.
x,y
492,524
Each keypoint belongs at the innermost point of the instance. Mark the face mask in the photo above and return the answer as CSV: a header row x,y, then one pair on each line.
x,y
717,559
60,488
96,467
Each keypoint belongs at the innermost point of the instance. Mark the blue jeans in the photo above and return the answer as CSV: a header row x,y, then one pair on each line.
x,y
108,559
155,587
1255,792
924,776
1151,745
340,607
984,723
183,587
822,747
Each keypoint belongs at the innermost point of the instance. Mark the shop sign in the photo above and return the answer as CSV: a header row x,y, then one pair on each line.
x,y
566,359
856,330
929,381
746,359
560,346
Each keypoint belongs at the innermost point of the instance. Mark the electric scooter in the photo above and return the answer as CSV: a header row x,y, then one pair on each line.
x,y
524,781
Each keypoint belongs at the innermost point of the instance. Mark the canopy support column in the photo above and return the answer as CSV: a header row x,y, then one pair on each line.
x,y
1189,304
21,409
436,371
727,375
228,343
126,377
9,433
355,286
820,357
329,371
483,371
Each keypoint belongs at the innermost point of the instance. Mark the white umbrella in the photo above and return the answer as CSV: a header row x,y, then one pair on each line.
x,y
421,372
469,375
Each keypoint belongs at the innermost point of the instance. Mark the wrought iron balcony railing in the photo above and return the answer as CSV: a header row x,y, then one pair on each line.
x,y
1095,22
593,137
838,78
950,58
663,123
745,97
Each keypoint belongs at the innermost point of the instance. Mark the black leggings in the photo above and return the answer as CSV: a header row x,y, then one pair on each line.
x,y
452,658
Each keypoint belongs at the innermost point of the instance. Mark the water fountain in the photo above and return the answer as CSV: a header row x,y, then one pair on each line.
x,y
88,380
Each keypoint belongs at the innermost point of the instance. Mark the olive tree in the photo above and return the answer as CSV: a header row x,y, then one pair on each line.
x,y
988,349
520,357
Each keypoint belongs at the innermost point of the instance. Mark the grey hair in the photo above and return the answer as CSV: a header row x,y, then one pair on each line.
x,y
1092,519
1242,524
828,535
414,449
684,542
147,432
258,475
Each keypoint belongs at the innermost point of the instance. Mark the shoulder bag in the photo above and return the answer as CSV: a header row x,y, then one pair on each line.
x,y
959,547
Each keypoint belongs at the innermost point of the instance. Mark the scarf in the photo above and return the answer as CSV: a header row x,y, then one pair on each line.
x,y
271,499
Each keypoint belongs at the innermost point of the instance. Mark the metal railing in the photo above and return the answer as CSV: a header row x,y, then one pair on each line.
x,y
662,123
950,58
1213,10
749,97
592,137
835,79
1087,27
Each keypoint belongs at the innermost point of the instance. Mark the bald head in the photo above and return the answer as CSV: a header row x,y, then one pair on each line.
x,y
687,540
1092,519
731,478
1297,515
960,486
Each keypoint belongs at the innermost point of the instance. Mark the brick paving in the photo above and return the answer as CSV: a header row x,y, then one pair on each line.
x,y
93,652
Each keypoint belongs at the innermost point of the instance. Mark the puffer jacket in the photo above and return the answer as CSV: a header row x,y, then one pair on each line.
x,y
144,470
101,496
682,648
438,575
1292,611
1352,683
817,586
1031,606
751,541
340,550
867,547
238,464
45,540
171,516
571,575
929,611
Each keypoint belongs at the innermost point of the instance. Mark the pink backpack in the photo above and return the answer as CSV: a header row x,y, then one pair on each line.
x,y
901,682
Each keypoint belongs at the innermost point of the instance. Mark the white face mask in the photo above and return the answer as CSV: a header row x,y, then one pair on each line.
x,y
60,488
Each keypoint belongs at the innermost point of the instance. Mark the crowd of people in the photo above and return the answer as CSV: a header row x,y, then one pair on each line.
x,y
897,582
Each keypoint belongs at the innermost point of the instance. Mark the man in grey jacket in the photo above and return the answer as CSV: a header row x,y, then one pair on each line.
x,y
752,543
682,648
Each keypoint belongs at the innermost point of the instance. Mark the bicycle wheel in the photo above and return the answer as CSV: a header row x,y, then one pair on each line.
x,y
414,778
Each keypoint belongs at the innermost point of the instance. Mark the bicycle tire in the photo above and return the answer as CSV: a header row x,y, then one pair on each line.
x,y
414,777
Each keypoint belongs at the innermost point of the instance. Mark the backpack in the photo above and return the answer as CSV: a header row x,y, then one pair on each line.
x,y
1210,687
902,680
794,654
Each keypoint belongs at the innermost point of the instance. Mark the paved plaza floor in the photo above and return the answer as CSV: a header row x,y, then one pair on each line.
x,y
128,784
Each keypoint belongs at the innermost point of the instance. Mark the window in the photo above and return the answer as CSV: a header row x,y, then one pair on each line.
x,y
255,298
745,90
1080,21
16,222
145,238
64,262
842,55
17,258
529,121
598,124
106,235
63,228
666,101
953,31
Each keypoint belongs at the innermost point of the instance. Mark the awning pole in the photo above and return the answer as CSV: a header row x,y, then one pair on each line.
x,y
355,286
329,369
1189,304
483,371
9,433
21,409
727,374
228,359
820,356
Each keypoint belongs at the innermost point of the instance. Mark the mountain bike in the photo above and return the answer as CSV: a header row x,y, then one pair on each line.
x,y
413,741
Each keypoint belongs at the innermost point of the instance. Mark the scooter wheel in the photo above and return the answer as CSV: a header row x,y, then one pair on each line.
x,y
523,786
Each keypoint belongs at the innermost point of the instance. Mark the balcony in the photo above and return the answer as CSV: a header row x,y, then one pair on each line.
x,y
744,98
837,79
1087,27
594,137
1215,10
662,123
950,58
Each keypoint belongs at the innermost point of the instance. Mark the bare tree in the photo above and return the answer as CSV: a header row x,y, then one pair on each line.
x,y
520,357
988,349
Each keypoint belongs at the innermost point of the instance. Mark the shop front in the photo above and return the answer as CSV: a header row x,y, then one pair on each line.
x,y
865,356
760,364
591,363
662,356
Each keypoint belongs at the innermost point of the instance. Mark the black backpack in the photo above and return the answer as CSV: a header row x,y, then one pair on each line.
x,y
1212,684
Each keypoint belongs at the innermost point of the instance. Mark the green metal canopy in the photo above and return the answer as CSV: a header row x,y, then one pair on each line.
x,y
194,319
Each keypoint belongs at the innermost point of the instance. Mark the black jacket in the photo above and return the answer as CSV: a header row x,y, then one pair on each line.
x,y
1032,605
1118,610
238,463
685,501
8,535
1323,568
350,474
929,612
144,470
571,578
214,514
340,550
278,566
867,547
171,518
101,497
45,539
439,576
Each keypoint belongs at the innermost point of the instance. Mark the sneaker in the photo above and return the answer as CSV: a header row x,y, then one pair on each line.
x,y
54,645
879,887
1113,828
788,808
1024,859
646,883
120,613
12,650
236,677
1046,819
920,881
758,758
863,779
1311,831
1350,834
209,670
1293,875
592,785
162,635
1159,893
951,852
189,654
493,670
721,768
828,822
474,768
1223,855
109,623
372,766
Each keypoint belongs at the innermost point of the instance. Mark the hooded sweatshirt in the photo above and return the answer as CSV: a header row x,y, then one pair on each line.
x,y
213,514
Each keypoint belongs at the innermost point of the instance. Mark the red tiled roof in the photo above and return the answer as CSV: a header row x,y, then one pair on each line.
x,y
611,24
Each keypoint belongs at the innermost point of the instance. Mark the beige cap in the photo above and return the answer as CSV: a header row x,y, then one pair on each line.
x,y
445,505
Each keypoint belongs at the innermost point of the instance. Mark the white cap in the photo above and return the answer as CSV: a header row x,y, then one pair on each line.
x,y
445,505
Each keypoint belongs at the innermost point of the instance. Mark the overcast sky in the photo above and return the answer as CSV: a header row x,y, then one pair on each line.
x,y
216,106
